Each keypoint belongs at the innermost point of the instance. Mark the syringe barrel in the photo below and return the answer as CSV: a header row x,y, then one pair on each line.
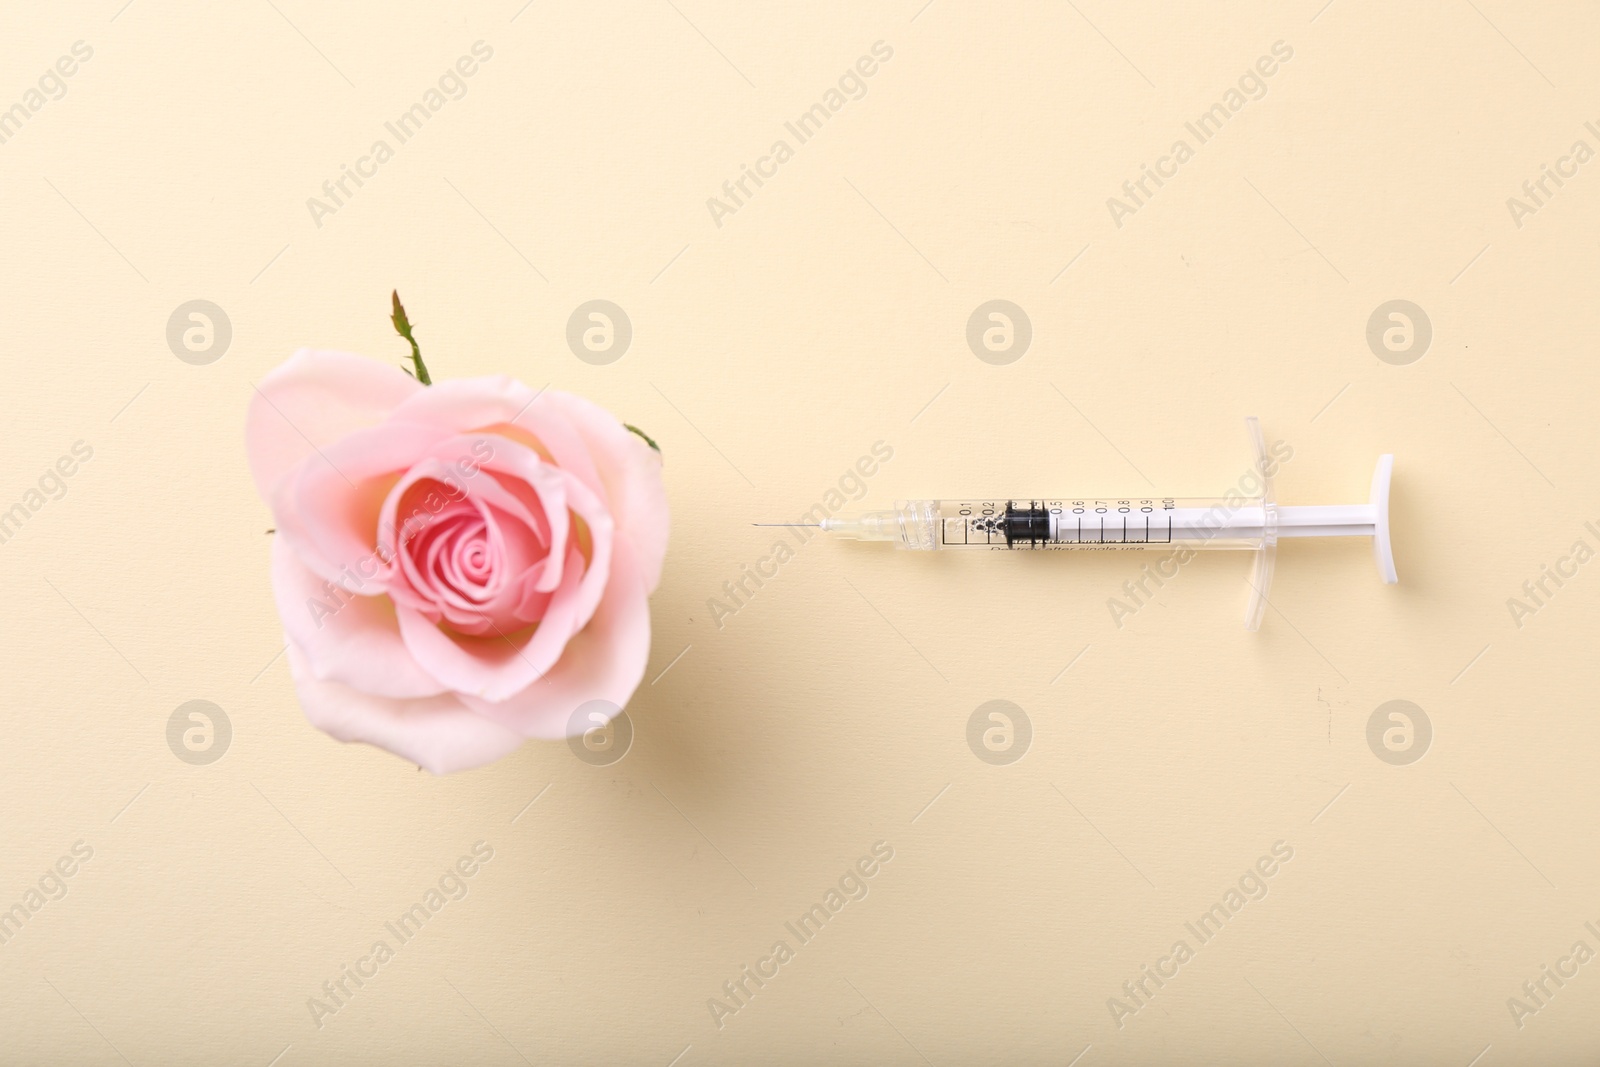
x,y
1076,524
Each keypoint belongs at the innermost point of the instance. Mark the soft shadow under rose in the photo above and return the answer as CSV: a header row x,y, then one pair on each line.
x,y
458,566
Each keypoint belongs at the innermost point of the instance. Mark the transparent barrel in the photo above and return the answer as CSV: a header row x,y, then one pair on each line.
x,y
1232,522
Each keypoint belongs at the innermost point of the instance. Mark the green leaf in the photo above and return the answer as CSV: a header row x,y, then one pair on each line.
x,y
402,326
647,438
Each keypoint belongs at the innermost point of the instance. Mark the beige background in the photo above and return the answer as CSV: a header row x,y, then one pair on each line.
x,y
830,713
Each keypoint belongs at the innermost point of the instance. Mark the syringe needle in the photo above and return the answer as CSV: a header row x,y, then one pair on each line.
x,y
818,525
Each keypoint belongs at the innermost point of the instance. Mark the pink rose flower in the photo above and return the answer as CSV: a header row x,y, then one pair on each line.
x,y
458,566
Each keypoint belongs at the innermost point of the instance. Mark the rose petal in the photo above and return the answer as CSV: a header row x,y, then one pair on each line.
x,y
312,400
525,516
344,637
631,471
438,733
479,404
604,662
587,595
335,500
472,666
500,662
517,473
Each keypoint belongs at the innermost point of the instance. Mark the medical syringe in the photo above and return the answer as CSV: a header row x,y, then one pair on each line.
x,y
1138,521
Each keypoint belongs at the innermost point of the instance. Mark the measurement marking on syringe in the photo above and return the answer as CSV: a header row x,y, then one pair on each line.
x,y
1043,525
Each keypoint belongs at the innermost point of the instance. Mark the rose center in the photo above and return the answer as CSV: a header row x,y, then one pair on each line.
x,y
456,558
